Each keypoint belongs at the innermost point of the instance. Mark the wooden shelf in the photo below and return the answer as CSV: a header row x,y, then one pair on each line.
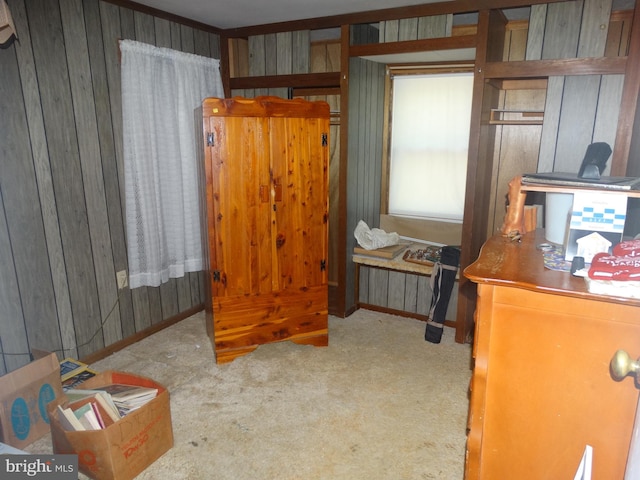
x,y
526,187
514,220
515,117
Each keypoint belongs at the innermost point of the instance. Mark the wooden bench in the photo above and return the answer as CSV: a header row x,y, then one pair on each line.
x,y
393,285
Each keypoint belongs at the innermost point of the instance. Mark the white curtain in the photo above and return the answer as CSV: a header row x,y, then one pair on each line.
x,y
161,88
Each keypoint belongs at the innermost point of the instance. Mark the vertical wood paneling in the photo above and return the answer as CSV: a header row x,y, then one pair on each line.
x,y
552,108
20,276
46,196
408,29
575,130
77,52
62,234
144,28
333,57
609,98
365,159
108,155
594,28
363,285
405,292
424,294
176,40
535,34
197,285
389,31
214,45
578,110
411,293
562,30
396,290
169,299
378,286
187,40
103,29
257,58
271,54
162,30
301,51
127,23
284,42
201,43
435,26
49,53
277,92
418,28
14,345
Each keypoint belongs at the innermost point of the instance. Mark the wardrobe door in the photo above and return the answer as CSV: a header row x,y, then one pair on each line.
x,y
299,159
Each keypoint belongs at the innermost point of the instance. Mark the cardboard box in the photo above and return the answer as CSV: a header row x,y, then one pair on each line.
x,y
24,394
125,448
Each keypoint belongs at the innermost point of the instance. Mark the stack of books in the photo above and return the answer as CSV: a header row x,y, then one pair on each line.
x,y
128,398
73,372
96,409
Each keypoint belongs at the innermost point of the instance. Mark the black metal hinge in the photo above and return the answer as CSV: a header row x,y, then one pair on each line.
x,y
216,275
210,142
325,139
323,265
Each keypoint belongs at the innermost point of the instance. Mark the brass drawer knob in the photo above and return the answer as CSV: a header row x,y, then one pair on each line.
x,y
622,365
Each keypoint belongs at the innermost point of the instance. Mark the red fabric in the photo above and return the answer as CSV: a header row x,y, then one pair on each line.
x,y
612,267
629,248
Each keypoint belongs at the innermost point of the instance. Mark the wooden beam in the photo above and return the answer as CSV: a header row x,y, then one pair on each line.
x,y
225,67
344,306
564,66
409,46
372,16
624,134
315,91
299,80
477,178
138,7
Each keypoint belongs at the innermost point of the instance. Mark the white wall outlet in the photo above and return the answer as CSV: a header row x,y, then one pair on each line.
x,y
123,280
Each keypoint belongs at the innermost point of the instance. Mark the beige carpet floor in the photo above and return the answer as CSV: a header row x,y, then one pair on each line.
x,y
378,403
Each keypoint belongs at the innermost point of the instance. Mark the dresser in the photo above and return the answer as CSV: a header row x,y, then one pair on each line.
x,y
541,388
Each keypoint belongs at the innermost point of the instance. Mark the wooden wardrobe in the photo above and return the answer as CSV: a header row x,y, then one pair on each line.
x,y
266,173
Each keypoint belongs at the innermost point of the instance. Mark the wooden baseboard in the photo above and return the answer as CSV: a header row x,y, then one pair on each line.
x,y
136,337
402,313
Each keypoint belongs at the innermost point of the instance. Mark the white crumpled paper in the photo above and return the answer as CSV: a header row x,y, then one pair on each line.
x,y
373,238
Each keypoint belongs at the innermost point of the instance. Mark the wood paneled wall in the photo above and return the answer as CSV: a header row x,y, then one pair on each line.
x,y
401,293
416,28
364,170
578,110
271,54
62,231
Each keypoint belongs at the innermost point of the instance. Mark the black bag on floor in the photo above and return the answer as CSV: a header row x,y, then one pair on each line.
x,y
442,280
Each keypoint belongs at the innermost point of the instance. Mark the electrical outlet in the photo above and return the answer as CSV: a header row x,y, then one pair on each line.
x,y
123,281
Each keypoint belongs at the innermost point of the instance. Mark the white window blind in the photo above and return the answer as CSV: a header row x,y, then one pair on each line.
x,y
430,123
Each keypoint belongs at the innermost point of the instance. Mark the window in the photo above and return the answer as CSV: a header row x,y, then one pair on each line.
x,y
429,125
